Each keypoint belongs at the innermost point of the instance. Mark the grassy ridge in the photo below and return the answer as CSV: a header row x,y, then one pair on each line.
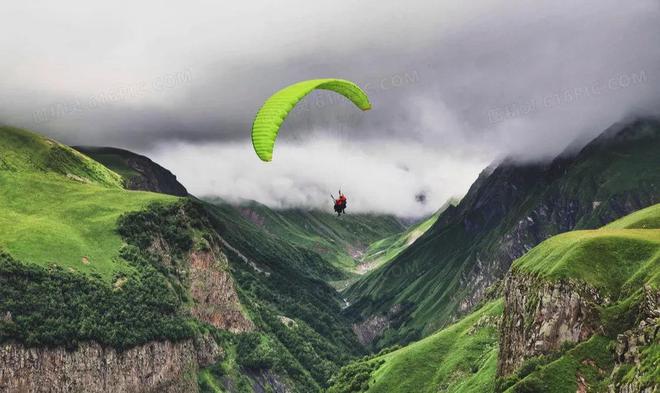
x,y
49,219
59,206
620,260
23,151
648,218
611,259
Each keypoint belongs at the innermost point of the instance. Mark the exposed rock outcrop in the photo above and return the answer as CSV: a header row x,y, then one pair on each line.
x,y
539,316
265,381
373,327
163,367
212,288
631,343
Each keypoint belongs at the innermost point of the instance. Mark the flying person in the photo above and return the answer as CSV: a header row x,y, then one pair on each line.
x,y
340,203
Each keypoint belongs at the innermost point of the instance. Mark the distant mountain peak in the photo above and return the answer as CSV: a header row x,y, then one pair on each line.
x,y
139,172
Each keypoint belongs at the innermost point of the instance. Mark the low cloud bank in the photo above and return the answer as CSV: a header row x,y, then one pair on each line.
x,y
386,177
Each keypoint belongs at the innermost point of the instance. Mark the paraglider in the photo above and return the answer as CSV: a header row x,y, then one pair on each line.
x,y
270,117
340,203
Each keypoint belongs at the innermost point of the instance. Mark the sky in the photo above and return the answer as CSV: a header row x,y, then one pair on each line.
x,y
454,86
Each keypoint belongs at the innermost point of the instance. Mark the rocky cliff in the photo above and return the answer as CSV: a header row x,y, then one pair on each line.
x,y
633,346
212,288
163,367
540,316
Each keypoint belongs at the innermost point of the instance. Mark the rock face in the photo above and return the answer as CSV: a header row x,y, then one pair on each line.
x,y
631,342
539,316
212,288
155,367
139,172
373,327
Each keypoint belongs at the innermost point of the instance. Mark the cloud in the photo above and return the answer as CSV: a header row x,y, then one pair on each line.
x,y
453,82
380,176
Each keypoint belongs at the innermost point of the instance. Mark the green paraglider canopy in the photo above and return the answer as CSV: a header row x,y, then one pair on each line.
x,y
276,108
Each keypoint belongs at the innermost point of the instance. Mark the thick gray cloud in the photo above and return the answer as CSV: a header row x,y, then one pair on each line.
x,y
459,85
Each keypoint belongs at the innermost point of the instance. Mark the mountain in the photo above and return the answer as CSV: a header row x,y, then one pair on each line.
x,y
509,209
105,289
577,313
582,310
139,172
342,242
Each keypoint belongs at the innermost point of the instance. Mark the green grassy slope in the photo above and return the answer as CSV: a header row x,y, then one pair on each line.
x,y
59,206
589,362
22,151
507,211
66,274
459,358
610,260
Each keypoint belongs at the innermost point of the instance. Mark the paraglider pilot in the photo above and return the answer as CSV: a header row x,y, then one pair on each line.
x,y
340,203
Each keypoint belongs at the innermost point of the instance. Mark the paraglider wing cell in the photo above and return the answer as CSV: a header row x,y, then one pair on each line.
x,y
276,108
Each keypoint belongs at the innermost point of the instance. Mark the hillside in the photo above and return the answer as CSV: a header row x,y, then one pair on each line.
x,y
590,305
24,152
459,358
139,172
59,206
384,250
95,278
509,209
214,300
579,313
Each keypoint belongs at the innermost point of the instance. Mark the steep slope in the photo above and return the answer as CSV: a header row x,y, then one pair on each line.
x,y
580,312
78,293
597,290
508,210
459,358
158,293
25,152
139,172
340,241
